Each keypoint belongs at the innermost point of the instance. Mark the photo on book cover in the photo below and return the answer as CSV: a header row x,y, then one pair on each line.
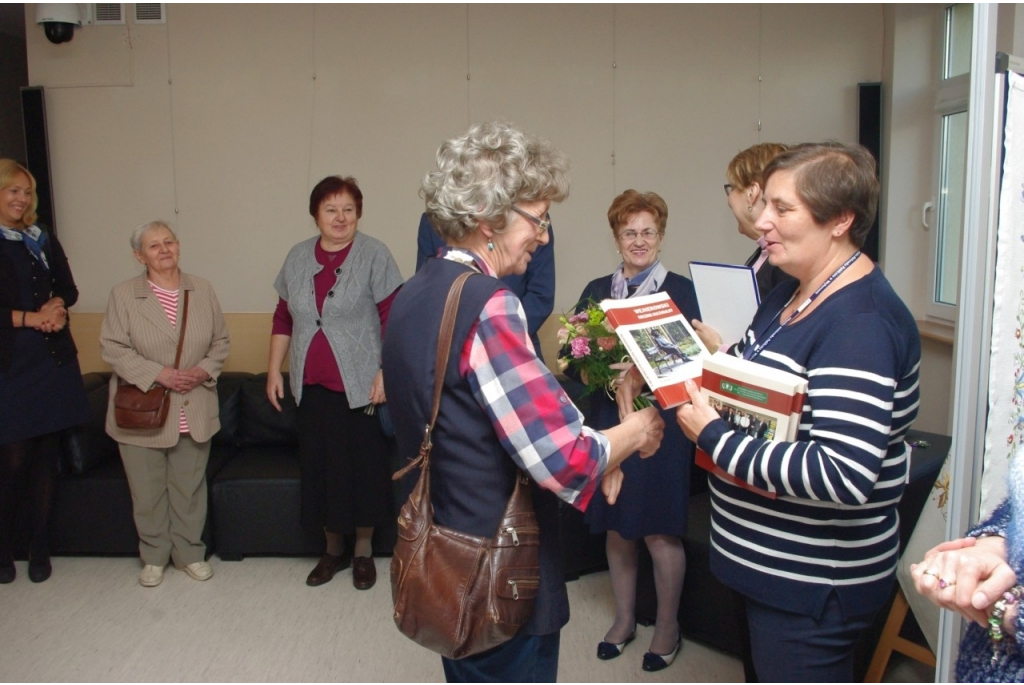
x,y
660,342
743,420
666,346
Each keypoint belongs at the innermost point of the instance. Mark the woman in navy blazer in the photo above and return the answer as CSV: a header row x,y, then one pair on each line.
x,y
41,391
654,496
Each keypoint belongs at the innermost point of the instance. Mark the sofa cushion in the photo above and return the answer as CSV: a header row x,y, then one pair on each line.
x,y
229,397
86,447
262,425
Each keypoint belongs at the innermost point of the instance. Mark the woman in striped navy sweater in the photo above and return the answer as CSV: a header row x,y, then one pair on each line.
x,y
818,562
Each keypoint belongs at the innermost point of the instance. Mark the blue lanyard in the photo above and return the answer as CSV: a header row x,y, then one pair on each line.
x,y
751,352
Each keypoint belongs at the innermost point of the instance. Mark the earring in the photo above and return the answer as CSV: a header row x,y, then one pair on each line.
x,y
490,246
750,209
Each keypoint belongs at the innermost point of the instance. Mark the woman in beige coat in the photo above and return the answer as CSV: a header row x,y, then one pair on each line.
x,y
166,466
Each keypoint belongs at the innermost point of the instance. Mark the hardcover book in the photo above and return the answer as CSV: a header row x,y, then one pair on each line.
x,y
759,401
754,399
660,342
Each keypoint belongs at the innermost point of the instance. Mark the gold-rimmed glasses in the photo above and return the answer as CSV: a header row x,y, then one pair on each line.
x,y
542,225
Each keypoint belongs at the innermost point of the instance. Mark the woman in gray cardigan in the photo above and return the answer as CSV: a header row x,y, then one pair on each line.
x,y
166,466
335,293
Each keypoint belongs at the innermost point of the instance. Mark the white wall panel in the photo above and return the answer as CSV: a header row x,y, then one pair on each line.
x,y
391,85
548,69
252,129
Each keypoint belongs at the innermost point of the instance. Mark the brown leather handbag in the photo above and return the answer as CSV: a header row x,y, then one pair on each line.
x,y
136,409
454,593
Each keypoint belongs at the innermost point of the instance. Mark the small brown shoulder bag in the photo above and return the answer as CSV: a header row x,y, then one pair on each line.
x,y
454,593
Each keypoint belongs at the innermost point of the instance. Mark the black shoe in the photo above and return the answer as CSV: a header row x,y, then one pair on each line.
x,y
657,662
8,573
327,567
610,650
39,569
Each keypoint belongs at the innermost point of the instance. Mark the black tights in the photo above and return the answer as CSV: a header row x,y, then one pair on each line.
x,y
27,466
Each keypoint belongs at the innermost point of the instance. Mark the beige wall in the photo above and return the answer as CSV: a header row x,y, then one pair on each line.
x,y
223,119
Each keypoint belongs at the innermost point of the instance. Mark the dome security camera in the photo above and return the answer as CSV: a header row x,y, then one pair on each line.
x,y
59,20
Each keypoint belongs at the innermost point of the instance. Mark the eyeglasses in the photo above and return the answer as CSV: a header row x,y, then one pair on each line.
x,y
728,189
631,235
542,224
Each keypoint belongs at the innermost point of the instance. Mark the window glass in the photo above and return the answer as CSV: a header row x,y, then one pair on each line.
x,y
953,162
957,43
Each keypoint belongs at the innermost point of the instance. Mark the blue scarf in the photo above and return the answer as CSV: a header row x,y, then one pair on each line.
x,y
34,240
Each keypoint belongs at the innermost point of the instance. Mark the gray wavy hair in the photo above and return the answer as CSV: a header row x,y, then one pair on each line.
x,y
483,172
135,239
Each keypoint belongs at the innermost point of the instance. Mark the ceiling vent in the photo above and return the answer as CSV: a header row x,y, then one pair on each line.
x,y
150,13
104,14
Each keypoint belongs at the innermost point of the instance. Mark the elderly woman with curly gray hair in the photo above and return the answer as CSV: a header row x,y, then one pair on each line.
x,y
501,408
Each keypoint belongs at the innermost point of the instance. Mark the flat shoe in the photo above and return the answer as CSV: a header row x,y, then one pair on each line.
x,y
610,650
327,567
364,573
39,568
8,573
151,575
39,571
199,570
657,662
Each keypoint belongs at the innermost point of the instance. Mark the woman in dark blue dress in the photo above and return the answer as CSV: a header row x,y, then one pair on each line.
x,y
41,391
652,503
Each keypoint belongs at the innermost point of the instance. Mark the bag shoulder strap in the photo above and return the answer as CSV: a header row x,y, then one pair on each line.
x,y
444,346
181,335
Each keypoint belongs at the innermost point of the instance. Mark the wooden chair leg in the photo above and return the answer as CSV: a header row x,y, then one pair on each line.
x,y
891,640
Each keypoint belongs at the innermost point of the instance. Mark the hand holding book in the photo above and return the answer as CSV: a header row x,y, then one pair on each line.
x,y
629,388
695,414
711,338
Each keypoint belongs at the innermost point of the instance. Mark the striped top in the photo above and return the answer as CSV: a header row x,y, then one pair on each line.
x,y
834,525
169,301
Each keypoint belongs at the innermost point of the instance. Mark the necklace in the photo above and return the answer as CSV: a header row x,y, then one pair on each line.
x,y
750,353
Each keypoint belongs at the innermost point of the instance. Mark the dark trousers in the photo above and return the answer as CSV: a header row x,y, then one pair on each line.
x,y
523,659
790,648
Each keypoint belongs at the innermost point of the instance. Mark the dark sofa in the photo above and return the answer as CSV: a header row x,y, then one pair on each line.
x,y
253,486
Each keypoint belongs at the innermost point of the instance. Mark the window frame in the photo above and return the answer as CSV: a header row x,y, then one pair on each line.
x,y
952,96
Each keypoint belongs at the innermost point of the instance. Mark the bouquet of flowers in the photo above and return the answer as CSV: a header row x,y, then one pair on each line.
x,y
590,346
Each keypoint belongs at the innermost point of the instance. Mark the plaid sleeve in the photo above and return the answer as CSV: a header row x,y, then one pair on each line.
x,y
536,422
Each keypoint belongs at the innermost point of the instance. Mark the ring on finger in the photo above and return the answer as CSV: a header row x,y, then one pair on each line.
x,y
933,574
943,583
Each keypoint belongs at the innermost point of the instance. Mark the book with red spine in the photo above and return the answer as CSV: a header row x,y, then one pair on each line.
x,y
661,343
760,401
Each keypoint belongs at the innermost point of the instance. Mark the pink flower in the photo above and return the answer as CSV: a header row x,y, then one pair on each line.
x,y
580,348
607,344
579,317
563,335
